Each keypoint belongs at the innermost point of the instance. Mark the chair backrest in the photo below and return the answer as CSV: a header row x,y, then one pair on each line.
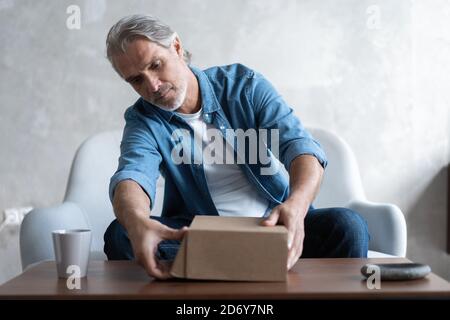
x,y
96,161
341,181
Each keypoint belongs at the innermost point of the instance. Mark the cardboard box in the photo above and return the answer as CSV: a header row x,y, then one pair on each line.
x,y
232,248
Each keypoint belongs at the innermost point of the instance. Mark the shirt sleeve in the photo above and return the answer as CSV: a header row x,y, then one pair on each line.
x,y
139,157
272,112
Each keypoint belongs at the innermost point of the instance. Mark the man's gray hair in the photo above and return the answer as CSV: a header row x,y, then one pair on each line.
x,y
136,26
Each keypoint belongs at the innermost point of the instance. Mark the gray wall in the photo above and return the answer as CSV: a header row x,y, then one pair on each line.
x,y
376,72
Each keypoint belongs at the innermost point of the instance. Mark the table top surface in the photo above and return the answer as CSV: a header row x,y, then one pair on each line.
x,y
308,279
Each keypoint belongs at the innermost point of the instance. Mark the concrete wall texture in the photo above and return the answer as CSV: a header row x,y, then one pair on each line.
x,y
375,72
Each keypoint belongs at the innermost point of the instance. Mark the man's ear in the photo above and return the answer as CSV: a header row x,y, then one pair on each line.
x,y
178,47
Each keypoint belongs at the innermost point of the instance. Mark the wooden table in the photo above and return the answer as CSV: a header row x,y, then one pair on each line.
x,y
309,279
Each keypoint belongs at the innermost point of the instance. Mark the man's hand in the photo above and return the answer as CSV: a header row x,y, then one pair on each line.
x,y
290,214
132,209
305,175
145,235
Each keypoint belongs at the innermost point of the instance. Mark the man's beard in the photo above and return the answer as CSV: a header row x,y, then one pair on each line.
x,y
179,99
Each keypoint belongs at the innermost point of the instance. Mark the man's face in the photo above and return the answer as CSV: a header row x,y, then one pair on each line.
x,y
158,74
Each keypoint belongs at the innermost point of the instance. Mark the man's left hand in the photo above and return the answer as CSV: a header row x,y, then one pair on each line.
x,y
290,214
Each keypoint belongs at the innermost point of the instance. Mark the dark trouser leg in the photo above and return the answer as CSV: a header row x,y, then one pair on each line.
x,y
335,233
118,246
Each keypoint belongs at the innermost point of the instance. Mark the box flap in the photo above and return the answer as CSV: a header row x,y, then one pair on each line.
x,y
221,223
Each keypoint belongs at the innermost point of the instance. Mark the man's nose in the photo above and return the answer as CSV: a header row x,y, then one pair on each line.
x,y
153,84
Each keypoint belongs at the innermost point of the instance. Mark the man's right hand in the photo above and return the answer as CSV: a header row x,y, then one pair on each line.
x,y
145,234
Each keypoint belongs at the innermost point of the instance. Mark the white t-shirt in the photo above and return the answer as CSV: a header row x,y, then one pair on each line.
x,y
231,192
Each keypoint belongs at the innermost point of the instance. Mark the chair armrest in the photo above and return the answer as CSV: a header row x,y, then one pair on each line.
x,y
36,242
387,226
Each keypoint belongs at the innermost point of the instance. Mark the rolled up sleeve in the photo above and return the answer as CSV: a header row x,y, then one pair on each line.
x,y
272,112
139,157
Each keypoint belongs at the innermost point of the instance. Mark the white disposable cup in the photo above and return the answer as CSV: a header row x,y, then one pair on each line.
x,y
72,248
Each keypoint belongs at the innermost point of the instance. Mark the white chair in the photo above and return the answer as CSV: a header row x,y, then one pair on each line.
x,y
87,205
342,187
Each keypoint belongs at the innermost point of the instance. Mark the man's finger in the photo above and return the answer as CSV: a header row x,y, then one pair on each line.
x,y
292,246
165,266
151,266
291,257
291,225
173,234
290,222
296,250
272,219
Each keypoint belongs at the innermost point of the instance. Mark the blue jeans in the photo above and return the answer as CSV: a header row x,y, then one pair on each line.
x,y
329,233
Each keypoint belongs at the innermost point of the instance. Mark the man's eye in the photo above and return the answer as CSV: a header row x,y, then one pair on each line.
x,y
136,80
156,65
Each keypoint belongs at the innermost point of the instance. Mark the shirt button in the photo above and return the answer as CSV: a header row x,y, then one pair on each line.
x,y
207,117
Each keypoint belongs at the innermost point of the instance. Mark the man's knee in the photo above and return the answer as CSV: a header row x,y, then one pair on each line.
x,y
117,245
351,229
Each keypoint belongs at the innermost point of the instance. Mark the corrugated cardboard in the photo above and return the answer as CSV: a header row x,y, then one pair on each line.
x,y
232,248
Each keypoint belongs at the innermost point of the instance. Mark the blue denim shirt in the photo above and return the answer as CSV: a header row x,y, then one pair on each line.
x,y
233,97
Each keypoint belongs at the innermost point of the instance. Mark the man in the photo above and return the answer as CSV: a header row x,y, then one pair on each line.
x,y
177,98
